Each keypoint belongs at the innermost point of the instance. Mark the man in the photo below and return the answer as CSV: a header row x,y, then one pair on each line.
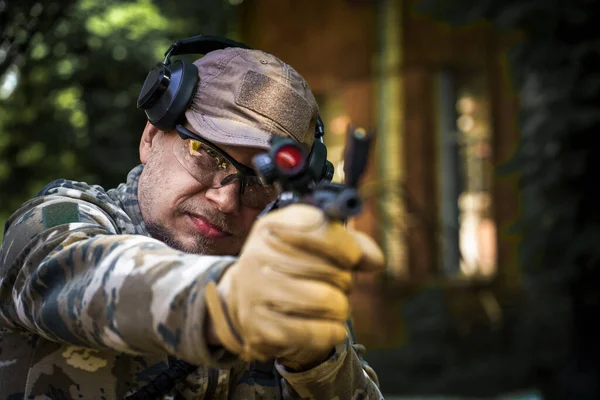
x,y
102,291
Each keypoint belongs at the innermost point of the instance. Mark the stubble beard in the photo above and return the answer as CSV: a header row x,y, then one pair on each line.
x,y
202,245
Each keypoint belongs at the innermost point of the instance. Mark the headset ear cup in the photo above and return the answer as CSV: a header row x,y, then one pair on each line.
x,y
183,94
166,103
317,161
154,86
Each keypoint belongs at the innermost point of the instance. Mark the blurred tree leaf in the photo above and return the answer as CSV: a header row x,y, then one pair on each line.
x,y
70,73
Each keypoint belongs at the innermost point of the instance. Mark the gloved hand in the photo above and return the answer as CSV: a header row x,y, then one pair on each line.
x,y
286,296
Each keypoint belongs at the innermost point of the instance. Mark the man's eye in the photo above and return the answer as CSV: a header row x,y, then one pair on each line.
x,y
221,164
220,161
212,153
197,149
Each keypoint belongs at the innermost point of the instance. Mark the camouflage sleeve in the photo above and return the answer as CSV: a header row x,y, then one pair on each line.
x,y
344,375
67,275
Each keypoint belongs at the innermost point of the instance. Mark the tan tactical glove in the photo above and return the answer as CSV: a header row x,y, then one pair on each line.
x,y
287,295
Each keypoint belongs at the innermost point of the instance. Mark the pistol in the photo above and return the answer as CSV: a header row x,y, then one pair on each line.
x,y
286,167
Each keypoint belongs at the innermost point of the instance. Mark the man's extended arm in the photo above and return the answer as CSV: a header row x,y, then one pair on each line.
x,y
67,275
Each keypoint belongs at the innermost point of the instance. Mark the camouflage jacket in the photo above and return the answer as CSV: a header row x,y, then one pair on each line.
x,y
92,307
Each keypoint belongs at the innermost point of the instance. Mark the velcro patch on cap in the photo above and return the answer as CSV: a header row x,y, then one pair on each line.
x,y
59,214
276,102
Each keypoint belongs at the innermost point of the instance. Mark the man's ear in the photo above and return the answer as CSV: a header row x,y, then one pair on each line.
x,y
148,140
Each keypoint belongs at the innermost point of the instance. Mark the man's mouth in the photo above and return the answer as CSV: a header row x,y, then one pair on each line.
x,y
207,229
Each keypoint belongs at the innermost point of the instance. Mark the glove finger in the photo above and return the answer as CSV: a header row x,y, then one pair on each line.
x,y
299,263
303,297
285,334
372,257
307,228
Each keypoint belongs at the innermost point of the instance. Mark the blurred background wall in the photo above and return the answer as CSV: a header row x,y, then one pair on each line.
x,y
454,313
443,319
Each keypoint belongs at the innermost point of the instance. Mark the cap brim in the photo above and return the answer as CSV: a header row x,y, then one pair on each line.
x,y
227,131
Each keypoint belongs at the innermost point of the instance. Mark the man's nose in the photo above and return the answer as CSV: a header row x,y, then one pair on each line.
x,y
227,197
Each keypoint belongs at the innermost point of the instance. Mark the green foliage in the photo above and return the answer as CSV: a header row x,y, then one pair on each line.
x,y
70,73
555,68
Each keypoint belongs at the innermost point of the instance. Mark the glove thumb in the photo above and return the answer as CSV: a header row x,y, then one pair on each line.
x,y
372,257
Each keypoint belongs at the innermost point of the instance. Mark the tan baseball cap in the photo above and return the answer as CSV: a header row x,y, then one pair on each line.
x,y
244,97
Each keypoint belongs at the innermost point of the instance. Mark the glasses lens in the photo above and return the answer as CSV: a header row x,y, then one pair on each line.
x,y
202,162
211,168
256,195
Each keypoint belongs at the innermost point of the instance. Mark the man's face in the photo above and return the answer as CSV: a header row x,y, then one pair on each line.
x,y
184,213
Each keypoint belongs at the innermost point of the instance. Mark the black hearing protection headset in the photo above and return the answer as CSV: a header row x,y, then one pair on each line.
x,y
170,86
